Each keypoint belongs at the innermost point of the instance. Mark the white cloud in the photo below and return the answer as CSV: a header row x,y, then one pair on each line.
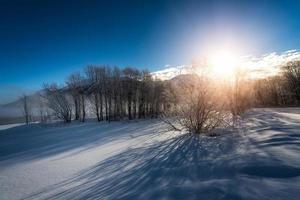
x,y
261,66
269,64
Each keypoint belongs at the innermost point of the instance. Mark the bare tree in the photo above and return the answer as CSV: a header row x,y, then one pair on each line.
x,y
292,74
58,102
78,88
114,93
117,93
43,111
108,92
145,79
95,91
73,84
194,107
128,89
26,108
239,95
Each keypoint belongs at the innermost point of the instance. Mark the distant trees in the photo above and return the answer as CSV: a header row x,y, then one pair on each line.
x,y
292,75
280,90
96,81
196,106
271,91
113,93
76,85
193,102
130,90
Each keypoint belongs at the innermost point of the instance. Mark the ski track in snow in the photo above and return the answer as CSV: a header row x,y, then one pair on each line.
x,y
141,160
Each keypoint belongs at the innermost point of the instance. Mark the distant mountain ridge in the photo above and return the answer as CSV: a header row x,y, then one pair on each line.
x,y
171,72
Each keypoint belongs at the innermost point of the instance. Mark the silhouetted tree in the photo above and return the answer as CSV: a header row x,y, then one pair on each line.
x,y
58,101
26,108
78,88
292,74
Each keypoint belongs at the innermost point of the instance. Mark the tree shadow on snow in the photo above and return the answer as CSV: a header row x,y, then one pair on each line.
x,y
195,167
184,167
274,137
274,129
36,141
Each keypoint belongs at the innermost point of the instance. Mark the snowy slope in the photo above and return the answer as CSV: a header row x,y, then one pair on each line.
x,y
140,160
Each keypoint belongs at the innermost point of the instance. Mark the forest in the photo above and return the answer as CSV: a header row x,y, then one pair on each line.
x,y
194,102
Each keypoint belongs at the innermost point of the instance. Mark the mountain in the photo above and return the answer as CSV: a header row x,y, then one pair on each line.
x,y
171,72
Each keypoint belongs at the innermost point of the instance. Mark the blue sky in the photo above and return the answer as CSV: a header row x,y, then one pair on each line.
x,y
43,41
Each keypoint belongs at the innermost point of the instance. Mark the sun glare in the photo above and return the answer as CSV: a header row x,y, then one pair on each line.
x,y
223,63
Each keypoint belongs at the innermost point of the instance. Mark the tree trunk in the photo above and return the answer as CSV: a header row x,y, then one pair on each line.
x,y
83,108
106,108
97,106
76,108
101,106
129,107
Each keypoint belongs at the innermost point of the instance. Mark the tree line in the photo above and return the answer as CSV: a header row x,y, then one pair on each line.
x,y
193,102
200,104
112,93
280,90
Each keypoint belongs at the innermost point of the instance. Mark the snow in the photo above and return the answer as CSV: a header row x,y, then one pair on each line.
x,y
8,126
142,160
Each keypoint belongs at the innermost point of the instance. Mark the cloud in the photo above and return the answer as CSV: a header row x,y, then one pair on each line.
x,y
255,66
269,64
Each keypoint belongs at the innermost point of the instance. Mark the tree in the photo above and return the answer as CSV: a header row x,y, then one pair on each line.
x,y
143,88
58,101
72,83
77,87
117,91
107,92
194,106
239,95
128,89
26,108
93,74
292,74
43,110
131,84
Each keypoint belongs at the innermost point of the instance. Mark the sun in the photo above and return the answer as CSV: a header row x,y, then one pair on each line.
x,y
223,63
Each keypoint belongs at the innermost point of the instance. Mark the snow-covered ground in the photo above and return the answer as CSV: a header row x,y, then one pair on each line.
x,y
141,160
8,126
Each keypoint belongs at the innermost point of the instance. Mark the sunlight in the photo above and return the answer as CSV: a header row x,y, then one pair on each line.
x,y
223,63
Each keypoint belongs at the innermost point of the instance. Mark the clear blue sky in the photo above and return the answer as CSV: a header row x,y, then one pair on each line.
x,y
45,40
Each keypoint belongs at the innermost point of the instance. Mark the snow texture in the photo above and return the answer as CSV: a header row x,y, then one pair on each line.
x,y
141,160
